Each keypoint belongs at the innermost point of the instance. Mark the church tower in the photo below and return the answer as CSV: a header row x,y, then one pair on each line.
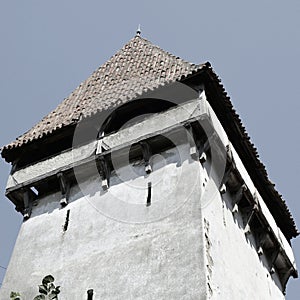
x,y
143,184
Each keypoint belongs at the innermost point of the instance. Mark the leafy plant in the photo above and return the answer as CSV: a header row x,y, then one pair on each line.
x,y
15,296
47,289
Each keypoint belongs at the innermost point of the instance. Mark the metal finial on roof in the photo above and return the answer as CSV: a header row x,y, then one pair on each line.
x,y
138,31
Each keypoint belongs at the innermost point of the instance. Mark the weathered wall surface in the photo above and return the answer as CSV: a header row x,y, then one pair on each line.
x,y
188,244
235,271
162,259
234,268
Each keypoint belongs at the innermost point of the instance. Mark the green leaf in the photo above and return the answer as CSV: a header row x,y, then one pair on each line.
x,y
43,289
40,297
56,290
15,296
48,279
52,296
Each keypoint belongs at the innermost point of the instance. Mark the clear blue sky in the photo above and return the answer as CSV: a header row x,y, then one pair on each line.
x,y
49,47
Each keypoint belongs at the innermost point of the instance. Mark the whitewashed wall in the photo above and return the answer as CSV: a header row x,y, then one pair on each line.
x,y
162,259
186,245
235,270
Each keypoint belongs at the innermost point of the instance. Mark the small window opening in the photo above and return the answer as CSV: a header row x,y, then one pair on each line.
x,y
90,294
65,227
149,194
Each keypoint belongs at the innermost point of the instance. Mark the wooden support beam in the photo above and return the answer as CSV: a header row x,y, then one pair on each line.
x,y
202,149
251,214
274,256
65,189
192,140
230,167
285,277
203,158
104,172
237,197
261,239
223,189
225,178
146,149
27,204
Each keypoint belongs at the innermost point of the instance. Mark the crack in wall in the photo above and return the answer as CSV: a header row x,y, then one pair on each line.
x,y
209,259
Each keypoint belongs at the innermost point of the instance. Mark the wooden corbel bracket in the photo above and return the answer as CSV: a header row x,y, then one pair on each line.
x,y
27,202
65,189
104,172
146,149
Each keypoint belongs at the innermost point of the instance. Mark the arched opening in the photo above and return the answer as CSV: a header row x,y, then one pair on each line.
x,y
133,112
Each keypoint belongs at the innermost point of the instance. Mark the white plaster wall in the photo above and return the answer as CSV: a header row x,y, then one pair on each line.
x,y
197,251
162,259
186,245
235,271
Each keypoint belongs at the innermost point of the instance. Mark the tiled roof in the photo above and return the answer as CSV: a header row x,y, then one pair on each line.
x,y
137,67
140,66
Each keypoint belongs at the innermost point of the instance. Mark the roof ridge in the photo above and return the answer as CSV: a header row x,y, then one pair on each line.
x,y
165,51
